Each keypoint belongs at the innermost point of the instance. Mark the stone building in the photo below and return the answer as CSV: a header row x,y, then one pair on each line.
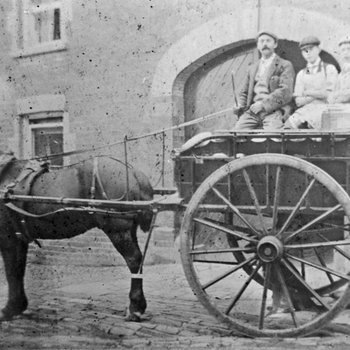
x,y
85,74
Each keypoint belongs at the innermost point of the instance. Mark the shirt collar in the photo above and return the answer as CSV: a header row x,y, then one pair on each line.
x,y
268,60
316,64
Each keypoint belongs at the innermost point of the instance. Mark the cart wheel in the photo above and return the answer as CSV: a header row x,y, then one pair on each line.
x,y
289,224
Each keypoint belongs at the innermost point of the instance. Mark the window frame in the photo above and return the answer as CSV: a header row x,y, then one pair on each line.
x,y
27,144
25,44
42,110
44,125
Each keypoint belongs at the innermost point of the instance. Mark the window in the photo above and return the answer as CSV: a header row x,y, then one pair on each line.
x,y
46,135
42,128
42,26
46,24
41,135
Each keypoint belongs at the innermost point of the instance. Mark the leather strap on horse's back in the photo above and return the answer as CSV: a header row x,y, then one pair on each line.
x,y
22,186
25,180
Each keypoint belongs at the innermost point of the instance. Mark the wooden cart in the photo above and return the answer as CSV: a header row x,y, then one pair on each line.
x,y
265,234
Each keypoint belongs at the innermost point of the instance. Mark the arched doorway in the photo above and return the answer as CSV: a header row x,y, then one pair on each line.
x,y
214,37
209,89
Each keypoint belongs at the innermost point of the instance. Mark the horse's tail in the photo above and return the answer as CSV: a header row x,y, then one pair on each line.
x,y
144,219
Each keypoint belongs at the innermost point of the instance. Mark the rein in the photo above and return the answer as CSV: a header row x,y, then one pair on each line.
x,y
138,137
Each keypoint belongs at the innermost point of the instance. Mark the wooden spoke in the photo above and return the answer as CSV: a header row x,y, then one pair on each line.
x,y
316,245
255,199
256,206
313,222
241,229
235,210
322,268
219,262
296,208
227,273
218,251
276,199
244,287
340,251
224,229
302,281
303,272
322,262
286,293
264,296
340,227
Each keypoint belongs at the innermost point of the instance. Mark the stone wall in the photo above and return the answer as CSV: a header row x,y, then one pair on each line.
x,y
123,61
127,62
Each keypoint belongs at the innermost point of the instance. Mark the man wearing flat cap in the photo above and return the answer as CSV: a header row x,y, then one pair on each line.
x,y
341,93
267,88
313,86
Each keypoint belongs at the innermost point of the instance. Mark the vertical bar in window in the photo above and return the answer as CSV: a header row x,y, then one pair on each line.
x,y
56,24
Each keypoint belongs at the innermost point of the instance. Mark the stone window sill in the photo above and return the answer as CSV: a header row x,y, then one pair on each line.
x,y
48,47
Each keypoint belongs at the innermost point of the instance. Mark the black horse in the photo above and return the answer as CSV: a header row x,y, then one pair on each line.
x,y
106,178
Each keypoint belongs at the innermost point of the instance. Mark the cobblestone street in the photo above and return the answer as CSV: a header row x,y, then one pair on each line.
x,y
83,308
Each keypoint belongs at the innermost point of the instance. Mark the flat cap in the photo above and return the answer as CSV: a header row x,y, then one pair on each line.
x,y
309,41
266,32
344,40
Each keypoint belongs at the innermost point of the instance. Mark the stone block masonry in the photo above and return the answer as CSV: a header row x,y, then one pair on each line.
x,y
95,249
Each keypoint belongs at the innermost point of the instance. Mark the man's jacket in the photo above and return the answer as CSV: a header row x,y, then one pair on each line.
x,y
280,82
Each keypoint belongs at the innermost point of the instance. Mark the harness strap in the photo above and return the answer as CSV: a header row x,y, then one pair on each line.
x,y
124,215
24,212
23,185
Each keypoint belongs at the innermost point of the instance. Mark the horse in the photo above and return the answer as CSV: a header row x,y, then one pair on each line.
x,y
100,178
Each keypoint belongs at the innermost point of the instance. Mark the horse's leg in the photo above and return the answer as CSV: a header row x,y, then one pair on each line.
x,y
14,255
126,244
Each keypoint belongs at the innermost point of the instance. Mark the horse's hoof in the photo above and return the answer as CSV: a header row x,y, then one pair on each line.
x,y
133,316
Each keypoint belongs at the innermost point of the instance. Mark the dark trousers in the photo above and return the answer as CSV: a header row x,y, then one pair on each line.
x,y
249,120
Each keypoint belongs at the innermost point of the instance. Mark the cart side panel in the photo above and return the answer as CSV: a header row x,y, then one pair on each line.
x,y
328,151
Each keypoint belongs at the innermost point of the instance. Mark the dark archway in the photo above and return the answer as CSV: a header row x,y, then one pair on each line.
x,y
209,88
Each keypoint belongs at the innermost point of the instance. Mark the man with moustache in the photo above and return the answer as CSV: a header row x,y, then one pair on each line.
x,y
267,89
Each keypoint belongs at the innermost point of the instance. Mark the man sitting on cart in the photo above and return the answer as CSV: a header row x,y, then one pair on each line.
x,y
313,86
268,87
341,93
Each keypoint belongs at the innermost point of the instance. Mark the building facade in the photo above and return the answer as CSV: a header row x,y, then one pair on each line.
x,y
85,74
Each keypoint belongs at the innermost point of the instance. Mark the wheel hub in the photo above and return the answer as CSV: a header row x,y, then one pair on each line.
x,y
270,249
